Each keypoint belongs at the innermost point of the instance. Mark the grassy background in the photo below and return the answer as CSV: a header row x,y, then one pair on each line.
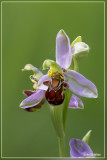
x,y
29,33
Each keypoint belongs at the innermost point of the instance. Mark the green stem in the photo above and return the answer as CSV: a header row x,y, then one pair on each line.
x,y
65,106
74,65
61,142
57,119
58,115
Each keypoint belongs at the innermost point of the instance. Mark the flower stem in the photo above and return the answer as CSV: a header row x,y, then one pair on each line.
x,y
74,65
58,115
57,119
61,142
65,106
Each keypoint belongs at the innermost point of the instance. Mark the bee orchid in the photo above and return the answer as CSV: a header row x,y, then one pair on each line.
x,y
60,77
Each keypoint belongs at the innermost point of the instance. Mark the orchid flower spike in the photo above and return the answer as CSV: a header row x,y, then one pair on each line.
x,y
60,77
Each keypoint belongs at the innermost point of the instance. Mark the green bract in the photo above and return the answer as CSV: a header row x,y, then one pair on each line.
x,y
87,136
78,39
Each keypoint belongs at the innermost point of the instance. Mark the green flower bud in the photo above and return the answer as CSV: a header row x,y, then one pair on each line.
x,y
79,49
87,136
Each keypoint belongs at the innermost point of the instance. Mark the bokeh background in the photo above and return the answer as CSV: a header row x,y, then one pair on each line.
x,y
28,36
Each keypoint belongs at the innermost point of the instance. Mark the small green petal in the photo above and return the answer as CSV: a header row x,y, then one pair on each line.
x,y
87,136
53,67
37,73
78,39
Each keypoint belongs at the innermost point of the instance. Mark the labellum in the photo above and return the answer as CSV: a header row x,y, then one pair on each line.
x,y
55,93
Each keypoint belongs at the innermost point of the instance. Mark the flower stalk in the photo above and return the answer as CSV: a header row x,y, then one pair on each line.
x,y
74,65
61,142
58,115
57,119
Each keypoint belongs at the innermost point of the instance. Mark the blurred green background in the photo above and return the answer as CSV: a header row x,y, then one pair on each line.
x,y
29,33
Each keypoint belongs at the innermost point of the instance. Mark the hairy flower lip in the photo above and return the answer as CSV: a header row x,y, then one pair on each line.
x,y
55,96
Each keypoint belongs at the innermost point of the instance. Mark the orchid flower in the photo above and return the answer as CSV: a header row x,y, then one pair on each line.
x,y
60,77
35,98
80,149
